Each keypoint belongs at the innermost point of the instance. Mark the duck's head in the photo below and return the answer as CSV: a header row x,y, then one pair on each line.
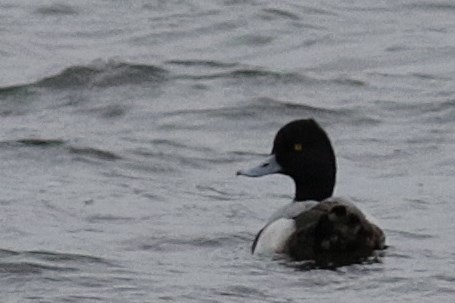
x,y
301,150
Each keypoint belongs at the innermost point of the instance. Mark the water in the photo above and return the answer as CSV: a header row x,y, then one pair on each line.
x,y
123,123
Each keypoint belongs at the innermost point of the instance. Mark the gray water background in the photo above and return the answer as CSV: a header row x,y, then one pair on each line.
x,y
123,123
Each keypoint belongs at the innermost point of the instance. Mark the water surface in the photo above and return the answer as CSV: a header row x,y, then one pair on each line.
x,y
123,123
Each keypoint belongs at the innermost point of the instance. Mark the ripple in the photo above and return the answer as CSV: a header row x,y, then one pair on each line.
x,y
57,9
255,74
29,268
109,218
431,6
94,153
14,90
104,75
242,291
40,142
275,12
267,109
98,74
32,143
7,253
255,107
178,244
336,263
86,153
40,261
434,111
65,257
215,193
411,235
201,63
175,155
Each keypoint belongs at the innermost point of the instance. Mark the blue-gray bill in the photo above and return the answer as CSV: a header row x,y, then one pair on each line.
x,y
267,167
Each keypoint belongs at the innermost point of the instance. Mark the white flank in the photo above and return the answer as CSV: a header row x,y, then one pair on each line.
x,y
292,210
274,237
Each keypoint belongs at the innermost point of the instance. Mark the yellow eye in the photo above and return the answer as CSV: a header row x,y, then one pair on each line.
x,y
298,147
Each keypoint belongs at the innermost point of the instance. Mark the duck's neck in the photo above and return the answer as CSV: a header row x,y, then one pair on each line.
x,y
316,190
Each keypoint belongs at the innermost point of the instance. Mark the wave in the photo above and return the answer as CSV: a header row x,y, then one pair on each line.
x,y
252,108
64,257
202,63
429,111
39,261
30,268
243,74
281,13
210,70
57,9
98,74
104,75
87,153
253,75
267,109
37,142
160,244
95,153
431,6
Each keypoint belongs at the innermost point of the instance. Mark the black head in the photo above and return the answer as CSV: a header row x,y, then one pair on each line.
x,y
302,150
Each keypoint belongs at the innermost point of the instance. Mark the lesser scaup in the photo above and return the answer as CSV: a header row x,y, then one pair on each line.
x,y
315,226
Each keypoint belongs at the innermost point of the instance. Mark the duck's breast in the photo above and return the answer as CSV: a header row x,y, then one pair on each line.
x,y
273,237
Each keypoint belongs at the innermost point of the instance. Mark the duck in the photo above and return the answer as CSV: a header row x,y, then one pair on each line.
x,y
315,225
